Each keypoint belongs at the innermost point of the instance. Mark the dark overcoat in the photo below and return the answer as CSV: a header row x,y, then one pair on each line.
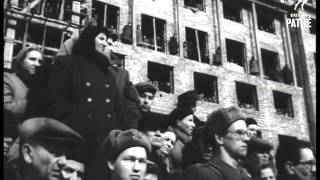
x,y
93,98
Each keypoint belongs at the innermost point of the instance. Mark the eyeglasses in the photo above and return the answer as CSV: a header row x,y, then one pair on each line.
x,y
307,164
240,133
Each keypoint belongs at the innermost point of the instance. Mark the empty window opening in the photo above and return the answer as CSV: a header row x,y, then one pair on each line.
x,y
270,62
206,87
283,103
67,10
265,21
247,96
195,4
196,42
53,37
153,30
35,33
106,15
236,52
161,76
52,9
313,26
232,11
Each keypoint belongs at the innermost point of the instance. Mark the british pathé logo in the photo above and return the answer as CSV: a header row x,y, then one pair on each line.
x,y
295,21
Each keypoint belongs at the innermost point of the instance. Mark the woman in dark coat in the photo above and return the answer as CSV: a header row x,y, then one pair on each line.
x,y
90,95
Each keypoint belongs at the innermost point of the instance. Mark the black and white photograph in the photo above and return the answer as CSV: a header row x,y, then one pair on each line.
x,y
159,89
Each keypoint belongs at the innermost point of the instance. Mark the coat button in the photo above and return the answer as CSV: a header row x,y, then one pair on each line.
x,y
108,115
107,100
107,85
89,99
88,84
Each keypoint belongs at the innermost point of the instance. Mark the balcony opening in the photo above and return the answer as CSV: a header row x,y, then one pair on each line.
x,y
206,87
247,96
195,5
270,62
266,21
196,42
232,11
236,52
161,76
283,104
152,30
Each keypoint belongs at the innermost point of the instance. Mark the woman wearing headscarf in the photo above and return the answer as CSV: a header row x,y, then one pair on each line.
x,y
90,95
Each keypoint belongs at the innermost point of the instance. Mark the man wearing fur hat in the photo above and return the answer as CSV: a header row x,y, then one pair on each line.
x,y
125,154
228,132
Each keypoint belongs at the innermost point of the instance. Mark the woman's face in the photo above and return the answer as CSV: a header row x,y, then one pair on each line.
x,y
32,61
187,124
103,44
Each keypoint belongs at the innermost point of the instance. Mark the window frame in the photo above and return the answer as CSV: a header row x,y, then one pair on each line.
x,y
241,86
214,81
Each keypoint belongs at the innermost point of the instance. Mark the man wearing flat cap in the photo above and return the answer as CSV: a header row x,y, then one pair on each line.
x,y
259,153
125,154
228,133
44,143
146,92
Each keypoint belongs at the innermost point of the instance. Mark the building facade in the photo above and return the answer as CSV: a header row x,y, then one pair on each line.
x,y
233,52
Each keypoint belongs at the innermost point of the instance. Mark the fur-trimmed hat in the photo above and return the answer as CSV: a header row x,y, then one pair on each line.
x,y
222,118
179,114
118,141
187,98
258,144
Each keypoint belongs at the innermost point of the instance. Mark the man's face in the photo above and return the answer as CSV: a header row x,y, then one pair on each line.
x,y
187,124
267,174
32,61
235,139
131,164
169,139
253,130
155,137
306,168
146,99
150,176
73,170
47,164
7,143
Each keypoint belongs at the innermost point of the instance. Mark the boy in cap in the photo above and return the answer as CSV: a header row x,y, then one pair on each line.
x,y
125,154
228,133
146,92
43,146
253,127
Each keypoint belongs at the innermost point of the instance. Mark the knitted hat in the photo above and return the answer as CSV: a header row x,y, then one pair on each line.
x,y
222,118
118,141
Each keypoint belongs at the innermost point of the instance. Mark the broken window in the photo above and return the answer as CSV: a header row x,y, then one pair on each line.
x,y
106,15
236,52
153,33
313,26
195,4
270,63
196,42
206,87
232,11
266,21
283,103
161,76
247,96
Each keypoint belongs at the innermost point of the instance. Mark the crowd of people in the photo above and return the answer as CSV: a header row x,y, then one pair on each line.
x,y
82,118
